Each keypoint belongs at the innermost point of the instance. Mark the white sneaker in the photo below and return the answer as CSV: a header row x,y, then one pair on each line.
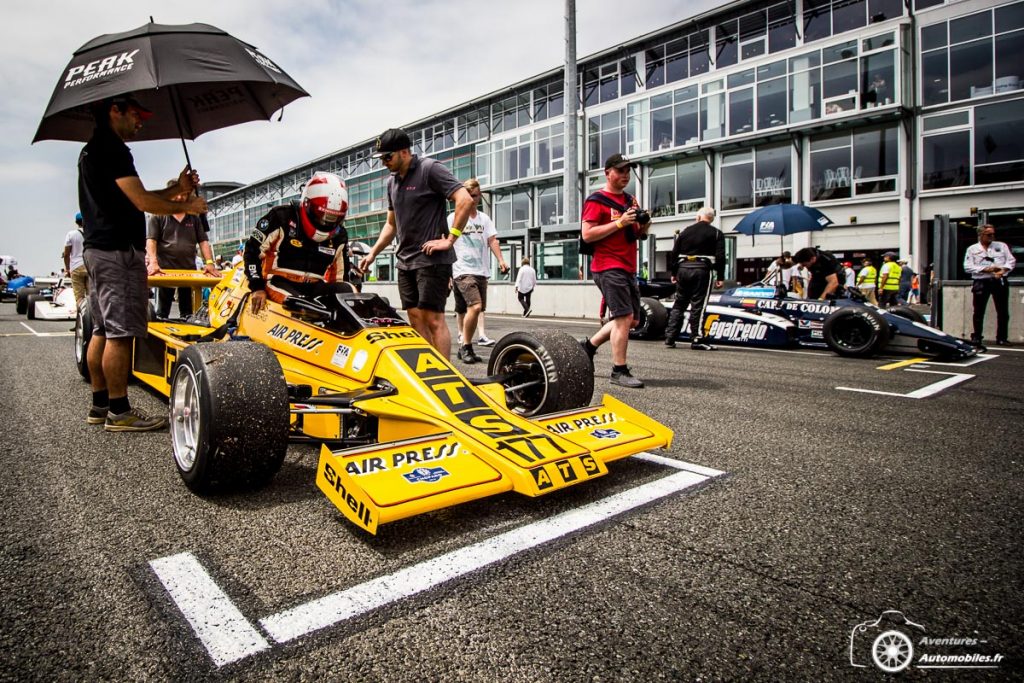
x,y
485,341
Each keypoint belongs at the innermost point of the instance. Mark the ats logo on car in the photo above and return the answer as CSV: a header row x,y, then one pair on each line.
x,y
426,475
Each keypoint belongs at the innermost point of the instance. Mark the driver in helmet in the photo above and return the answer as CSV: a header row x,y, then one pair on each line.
x,y
300,249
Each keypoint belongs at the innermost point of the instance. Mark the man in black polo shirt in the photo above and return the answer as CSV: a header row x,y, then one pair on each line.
x,y
112,201
826,271
417,191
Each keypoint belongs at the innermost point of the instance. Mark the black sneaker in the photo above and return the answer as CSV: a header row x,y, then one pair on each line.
x,y
1003,342
528,312
468,356
670,343
97,415
626,379
702,346
588,349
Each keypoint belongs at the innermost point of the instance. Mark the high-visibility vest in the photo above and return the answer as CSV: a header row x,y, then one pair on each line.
x,y
868,276
892,284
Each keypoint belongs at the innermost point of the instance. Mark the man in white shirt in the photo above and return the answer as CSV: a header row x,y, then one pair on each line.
x,y
849,275
989,262
74,262
472,268
526,281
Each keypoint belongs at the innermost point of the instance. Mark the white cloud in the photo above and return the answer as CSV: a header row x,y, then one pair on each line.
x,y
368,66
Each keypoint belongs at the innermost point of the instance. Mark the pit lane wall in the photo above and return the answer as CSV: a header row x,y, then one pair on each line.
x,y
956,310
550,299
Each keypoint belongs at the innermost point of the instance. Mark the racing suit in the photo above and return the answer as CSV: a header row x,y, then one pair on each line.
x,y
698,249
283,259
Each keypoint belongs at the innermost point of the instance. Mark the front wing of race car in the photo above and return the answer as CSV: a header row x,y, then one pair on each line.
x,y
485,451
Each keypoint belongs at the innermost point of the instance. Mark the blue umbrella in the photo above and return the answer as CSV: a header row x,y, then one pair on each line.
x,y
782,219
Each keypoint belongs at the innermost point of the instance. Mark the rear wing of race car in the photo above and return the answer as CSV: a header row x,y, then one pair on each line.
x,y
373,485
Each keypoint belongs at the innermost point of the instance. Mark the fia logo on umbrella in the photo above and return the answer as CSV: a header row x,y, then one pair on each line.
x,y
766,226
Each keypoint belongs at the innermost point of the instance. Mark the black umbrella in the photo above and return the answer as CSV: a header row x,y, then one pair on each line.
x,y
195,78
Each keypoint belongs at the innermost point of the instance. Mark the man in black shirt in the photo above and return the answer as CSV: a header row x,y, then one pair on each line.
x,y
826,272
112,201
698,249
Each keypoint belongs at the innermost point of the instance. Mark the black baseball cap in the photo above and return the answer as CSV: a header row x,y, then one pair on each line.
x,y
618,161
391,140
128,100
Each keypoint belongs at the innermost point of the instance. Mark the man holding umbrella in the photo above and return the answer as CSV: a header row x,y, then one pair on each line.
x,y
113,201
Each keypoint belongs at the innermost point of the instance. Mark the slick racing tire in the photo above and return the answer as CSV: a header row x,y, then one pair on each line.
x,y
653,319
543,372
908,313
21,303
229,415
30,304
856,331
83,334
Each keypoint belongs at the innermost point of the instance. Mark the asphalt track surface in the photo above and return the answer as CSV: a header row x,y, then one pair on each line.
x,y
835,506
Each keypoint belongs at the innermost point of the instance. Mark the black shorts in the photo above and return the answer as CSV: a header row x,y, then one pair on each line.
x,y
621,292
425,287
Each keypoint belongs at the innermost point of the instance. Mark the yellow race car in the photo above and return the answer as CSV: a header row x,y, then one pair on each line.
x,y
403,432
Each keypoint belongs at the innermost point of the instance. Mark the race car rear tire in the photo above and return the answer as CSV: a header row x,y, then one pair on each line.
x,y
547,371
83,334
229,415
856,331
21,303
653,319
30,305
908,313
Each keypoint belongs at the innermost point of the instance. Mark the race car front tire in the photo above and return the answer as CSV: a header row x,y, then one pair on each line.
x,y
856,331
21,303
30,304
908,313
83,334
229,415
653,319
545,371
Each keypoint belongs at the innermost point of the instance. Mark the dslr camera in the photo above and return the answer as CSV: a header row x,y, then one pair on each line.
x,y
642,216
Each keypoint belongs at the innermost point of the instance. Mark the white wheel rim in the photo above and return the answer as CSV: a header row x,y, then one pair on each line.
x,y
79,335
522,398
186,417
892,651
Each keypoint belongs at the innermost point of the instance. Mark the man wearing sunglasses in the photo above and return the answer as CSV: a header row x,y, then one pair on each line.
x,y
989,262
417,192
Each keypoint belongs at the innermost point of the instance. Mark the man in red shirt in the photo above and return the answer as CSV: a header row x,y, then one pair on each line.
x,y
610,224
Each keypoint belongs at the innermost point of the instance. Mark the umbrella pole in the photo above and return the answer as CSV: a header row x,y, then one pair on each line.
x,y
177,122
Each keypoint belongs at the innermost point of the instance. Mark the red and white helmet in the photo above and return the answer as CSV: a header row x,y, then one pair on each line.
x,y
324,201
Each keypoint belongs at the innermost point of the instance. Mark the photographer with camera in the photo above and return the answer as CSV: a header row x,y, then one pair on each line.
x,y
612,223
698,249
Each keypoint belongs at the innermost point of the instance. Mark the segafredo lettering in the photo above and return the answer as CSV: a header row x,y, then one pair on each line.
x,y
296,338
114,64
737,330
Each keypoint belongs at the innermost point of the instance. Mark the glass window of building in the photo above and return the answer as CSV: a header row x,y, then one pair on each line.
x,y
737,180
549,205
638,122
691,185
845,165
771,95
726,43
741,111
805,87
946,159
606,136
684,115
772,175
973,56
550,149
712,110
781,27
998,147
661,185
557,260
817,19
753,34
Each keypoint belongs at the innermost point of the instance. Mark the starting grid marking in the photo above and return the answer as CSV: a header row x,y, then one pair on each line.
x,y
229,637
921,365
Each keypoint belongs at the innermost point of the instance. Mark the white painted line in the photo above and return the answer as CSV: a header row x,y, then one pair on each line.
x,y
678,464
727,347
375,593
28,328
227,635
980,358
42,334
924,392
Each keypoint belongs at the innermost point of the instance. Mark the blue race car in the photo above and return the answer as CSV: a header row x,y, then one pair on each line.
x,y
848,325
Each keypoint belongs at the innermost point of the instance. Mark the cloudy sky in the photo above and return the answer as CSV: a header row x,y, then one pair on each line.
x,y
367,65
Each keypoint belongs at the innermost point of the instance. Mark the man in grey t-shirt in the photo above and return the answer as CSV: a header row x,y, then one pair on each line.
x,y
417,192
